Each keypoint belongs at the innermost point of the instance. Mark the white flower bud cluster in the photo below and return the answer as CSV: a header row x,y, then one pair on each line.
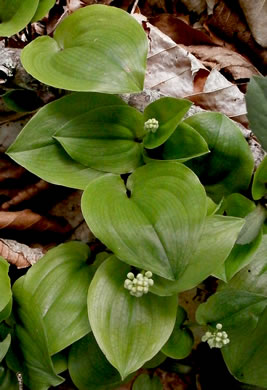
x,y
152,125
140,284
216,339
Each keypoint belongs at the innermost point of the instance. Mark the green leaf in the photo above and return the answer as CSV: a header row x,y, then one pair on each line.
x,y
5,290
4,346
256,99
259,185
155,361
129,330
157,226
44,7
185,143
49,313
168,112
241,306
8,379
229,165
216,242
97,48
238,205
15,15
181,340
251,229
37,150
105,139
88,366
144,382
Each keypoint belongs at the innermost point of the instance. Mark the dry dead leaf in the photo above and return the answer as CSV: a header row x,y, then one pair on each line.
x,y
20,255
228,22
9,170
197,6
256,16
179,31
171,70
221,58
26,194
27,219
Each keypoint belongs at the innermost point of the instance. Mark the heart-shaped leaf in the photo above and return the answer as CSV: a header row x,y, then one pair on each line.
x,y
105,139
89,368
185,143
43,8
241,306
229,165
158,226
144,382
168,112
5,290
181,340
4,346
97,48
15,15
256,99
215,244
129,330
259,185
37,150
49,313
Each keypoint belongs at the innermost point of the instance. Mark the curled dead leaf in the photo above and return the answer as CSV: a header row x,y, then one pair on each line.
x,y
20,255
27,219
26,194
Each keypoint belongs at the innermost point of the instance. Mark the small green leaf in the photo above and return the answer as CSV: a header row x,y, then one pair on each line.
x,y
241,306
22,100
44,7
4,346
51,310
181,340
97,48
185,143
155,361
129,330
88,366
238,205
259,185
216,242
8,379
251,229
15,15
168,112
37,150
158,226
5,290
256,99
229,165
105,139
145,382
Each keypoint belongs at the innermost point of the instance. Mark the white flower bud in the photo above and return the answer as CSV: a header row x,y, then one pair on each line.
x,y
219,326
130,275
216,339
151,125
148,274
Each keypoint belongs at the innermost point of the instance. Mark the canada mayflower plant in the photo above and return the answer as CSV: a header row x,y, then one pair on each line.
x,y
175,197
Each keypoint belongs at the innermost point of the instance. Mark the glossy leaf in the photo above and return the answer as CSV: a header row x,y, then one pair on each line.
x,y
185,143
51,310
144,382
4,346
5,290
37,150
43,8
259,185
238,205
97,48
256,99
168,112
88,366
129,330
241,306
15,15
252,227
181,340
105,139
215,244
155,227
229,165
